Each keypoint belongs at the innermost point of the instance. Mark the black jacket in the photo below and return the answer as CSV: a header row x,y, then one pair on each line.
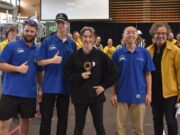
x,y
104,73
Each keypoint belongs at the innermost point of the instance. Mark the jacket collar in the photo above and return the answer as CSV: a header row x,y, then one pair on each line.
x,y
125,50
151,48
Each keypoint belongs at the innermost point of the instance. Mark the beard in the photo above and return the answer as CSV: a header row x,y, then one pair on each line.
x,y
29,39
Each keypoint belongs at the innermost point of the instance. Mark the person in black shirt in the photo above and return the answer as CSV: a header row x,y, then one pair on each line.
x,y
89,72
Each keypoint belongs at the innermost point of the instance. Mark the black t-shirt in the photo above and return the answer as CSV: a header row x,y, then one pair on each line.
x,y
156,75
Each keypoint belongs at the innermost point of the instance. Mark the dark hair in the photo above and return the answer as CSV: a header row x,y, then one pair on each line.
x,y
128,27
155,26
31,23
87,28
11,29
75,32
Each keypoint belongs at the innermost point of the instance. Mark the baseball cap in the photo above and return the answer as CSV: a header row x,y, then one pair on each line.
x,y
31,22
62,17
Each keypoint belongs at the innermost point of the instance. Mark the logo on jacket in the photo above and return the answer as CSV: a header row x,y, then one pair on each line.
x,y
140,58
52,47
20,50
122,58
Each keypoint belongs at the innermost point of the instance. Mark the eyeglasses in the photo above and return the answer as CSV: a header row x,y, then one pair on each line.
x,y
31,22
129,33
160,33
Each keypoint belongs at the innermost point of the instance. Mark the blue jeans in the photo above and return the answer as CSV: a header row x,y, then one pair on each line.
x,y
161,107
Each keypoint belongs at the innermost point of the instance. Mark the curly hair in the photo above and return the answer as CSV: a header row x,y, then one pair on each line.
x,y
155,26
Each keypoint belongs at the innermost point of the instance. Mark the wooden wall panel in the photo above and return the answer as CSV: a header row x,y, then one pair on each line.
x,y
125,11
29,6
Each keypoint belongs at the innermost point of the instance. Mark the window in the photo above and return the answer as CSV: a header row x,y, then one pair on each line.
x,y
4,18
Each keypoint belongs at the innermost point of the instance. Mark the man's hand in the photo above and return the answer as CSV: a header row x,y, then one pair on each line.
x,y
23,68
148,99
85,75
114,100
56,59
40,94
98,89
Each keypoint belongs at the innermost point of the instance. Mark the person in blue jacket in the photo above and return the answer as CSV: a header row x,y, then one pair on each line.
x,y
19,62
133,88
53,54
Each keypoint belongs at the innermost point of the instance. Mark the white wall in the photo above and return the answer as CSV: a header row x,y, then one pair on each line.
x,y
75,9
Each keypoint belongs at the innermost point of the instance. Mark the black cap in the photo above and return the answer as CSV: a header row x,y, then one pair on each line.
x,y
62,17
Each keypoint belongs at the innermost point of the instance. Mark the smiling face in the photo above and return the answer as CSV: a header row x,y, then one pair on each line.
x,y
130,35
12,35
87,40
62,26
160,36
29,33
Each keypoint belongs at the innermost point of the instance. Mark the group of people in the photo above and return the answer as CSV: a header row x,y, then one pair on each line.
x,y
61,69
110,48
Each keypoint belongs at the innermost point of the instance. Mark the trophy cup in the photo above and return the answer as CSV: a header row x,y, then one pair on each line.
x,y
87,66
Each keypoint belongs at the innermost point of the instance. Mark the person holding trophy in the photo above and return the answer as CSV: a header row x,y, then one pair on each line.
x,y
89,72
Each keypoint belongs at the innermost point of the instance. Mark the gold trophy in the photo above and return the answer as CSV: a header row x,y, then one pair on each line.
x,y
87,66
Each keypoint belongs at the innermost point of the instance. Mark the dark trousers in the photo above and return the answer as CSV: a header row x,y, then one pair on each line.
x,y
80,117
47,107
161,107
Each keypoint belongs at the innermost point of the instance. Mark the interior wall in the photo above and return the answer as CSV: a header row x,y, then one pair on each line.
x,y
127,11
28,7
